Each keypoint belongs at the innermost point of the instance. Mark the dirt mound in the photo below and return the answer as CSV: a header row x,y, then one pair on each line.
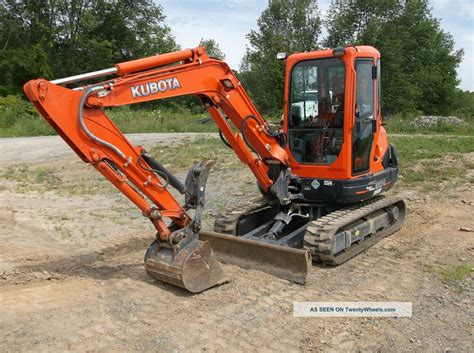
x,y
17,277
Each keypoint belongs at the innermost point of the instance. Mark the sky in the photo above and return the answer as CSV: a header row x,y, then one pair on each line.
x,y
229,21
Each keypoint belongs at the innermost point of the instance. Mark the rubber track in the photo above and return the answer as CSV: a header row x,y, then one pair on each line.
x,y
319,234
226,222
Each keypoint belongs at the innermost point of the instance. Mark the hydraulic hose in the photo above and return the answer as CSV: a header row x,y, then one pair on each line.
x,y
161,170
244,135
224,141
159,173
84,128
279,136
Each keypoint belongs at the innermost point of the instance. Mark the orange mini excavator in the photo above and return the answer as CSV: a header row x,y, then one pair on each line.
x,y
321,175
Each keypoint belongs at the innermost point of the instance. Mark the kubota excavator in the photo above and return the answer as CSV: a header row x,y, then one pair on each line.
x,y
321,175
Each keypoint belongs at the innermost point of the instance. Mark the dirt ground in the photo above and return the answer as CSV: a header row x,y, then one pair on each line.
x,y
72,277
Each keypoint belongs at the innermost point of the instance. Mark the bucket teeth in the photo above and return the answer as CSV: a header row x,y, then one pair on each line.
x,y
194,267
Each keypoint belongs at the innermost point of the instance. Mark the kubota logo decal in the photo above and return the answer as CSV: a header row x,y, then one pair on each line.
x,y
155,87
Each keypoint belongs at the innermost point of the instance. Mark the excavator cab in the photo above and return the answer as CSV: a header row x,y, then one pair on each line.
x,y
336,140
340,161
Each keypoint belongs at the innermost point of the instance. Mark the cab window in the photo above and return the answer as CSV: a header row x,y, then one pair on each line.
x,y
316,110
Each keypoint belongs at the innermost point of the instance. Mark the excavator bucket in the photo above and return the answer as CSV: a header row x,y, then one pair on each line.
x,y
194,267
280,261
189,264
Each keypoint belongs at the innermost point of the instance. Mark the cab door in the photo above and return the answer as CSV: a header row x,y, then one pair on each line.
x,y
362,132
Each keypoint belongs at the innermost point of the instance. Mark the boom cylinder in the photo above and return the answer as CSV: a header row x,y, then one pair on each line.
x,y
153,61
86,76
128,67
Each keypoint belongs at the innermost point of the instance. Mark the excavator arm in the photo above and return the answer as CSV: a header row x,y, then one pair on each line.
x,y
78,115
220,90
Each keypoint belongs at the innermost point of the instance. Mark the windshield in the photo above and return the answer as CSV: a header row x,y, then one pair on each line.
x,y
316,110
317,89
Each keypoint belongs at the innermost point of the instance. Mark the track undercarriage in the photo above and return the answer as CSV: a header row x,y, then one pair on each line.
x,y
333,234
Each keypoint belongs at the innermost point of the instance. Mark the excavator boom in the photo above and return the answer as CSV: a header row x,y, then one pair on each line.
x,y
177,256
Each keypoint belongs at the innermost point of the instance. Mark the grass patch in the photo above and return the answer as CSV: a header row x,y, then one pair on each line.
x,y
19,118
45,178
412,149
46,175
160,120
184,155
178,158
127,120
92,185
30,126
455,275
434,159
40,178
399,124
15,172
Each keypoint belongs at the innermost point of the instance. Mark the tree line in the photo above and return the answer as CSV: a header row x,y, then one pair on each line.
x,y
57,38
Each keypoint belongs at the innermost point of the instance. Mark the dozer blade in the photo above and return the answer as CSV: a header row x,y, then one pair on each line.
x,y
281,261
194,267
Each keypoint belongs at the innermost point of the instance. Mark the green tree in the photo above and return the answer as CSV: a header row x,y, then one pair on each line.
x,y
64,37
464,105
418,58
20,59
284,26
212,48
19,65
